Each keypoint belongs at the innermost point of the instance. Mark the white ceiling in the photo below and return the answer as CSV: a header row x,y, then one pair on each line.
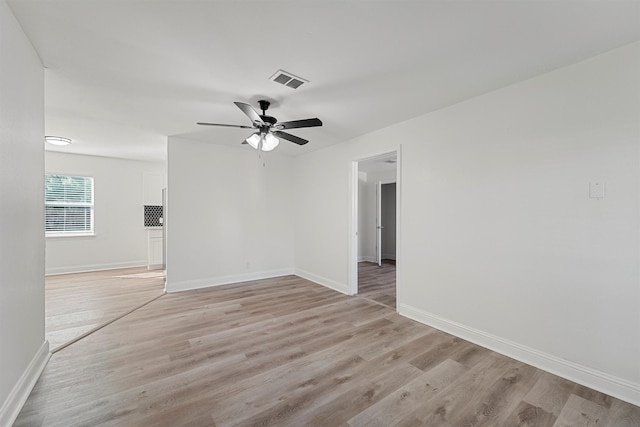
x,y
123,75
382,163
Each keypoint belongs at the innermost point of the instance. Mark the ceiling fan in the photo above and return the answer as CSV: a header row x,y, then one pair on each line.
x,y
268,127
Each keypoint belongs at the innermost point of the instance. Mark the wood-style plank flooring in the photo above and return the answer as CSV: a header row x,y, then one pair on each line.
x,y
76,303
288,352
378,283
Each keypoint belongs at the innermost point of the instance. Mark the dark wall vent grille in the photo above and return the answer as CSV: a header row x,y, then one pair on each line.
x,y
288,79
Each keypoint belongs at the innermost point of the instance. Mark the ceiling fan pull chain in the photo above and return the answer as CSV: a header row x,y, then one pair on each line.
x,y
264,163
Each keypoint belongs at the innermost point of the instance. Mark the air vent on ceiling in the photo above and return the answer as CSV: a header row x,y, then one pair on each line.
x,y
391,161
288,79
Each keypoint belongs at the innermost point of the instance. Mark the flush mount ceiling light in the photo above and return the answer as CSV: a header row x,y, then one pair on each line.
x,y
57,140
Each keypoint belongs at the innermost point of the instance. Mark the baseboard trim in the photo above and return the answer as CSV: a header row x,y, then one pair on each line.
x,y
94,267
331,284
592,378
20,392
188,285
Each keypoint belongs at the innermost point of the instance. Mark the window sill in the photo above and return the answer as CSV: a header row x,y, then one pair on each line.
x,y
65,235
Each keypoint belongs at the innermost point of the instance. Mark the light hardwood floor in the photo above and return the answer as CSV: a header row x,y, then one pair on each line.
x,y
76,303
378,282
288,352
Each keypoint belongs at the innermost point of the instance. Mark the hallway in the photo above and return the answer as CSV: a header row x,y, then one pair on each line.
x,y
378,283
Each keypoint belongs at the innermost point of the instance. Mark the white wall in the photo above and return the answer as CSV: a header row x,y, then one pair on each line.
x,y
229,219
500,242
23,348
120,236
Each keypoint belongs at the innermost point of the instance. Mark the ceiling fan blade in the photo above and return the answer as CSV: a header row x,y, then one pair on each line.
x,y
306,123
289,137
228,126
250,112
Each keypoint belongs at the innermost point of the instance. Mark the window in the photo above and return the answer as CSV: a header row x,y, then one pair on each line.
x,y
68,205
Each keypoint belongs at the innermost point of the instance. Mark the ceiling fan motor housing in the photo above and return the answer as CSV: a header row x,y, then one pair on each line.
x,y
268,119
264,106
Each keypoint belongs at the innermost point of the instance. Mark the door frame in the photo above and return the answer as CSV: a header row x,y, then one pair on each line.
x,y
353,219
379,226
378,223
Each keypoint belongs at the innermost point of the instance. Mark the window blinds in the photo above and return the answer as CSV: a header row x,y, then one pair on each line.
x,y
68,204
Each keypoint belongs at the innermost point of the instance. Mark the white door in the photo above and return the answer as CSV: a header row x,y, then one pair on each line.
x,y
379,226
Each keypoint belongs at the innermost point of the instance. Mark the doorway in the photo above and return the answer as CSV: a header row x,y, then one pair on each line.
x,y
375,226
385,222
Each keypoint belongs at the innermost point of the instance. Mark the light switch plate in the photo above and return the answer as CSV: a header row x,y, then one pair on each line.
x,y
596,190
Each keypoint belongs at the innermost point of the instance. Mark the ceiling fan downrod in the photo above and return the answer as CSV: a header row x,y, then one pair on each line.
x,y
264,106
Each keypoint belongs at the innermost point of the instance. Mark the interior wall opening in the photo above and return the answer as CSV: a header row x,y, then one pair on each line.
x,y
376,228
85,289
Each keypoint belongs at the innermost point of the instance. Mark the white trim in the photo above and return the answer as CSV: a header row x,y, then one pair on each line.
x,y
94,267
353,242
21,391
389,256
592,378
72,234
331,284
188,285
367,259
399,222
378,222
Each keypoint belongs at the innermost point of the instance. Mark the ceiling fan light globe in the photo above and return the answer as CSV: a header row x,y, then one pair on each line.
x,y
254,140
270,142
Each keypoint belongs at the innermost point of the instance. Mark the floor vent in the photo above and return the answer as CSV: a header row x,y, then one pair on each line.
x,y
288,79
